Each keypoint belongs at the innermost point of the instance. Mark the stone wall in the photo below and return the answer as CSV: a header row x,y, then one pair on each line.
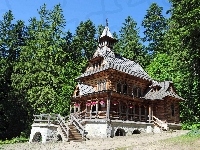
x,y
47,131
96,129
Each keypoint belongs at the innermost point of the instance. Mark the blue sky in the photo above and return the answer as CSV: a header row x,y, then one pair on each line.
x,y
76,11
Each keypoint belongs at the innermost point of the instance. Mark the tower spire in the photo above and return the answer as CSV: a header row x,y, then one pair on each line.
x,y
106,22
106,38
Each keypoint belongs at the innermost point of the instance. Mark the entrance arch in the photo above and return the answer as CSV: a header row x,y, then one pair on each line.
x,y
120,132
37,137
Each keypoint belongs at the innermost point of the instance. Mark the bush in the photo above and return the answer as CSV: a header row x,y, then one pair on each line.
x,y
191,126
20,139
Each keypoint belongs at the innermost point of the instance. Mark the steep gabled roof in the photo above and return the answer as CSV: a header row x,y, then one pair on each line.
x,y
161,93
119,63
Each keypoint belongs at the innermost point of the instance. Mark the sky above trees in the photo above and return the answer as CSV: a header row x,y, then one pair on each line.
x,y
76,11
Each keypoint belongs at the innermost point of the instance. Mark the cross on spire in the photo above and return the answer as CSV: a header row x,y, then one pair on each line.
x,y
107,22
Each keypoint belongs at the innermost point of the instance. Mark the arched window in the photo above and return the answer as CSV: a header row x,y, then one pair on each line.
x,y
119,88
104,85
99,86
77,92
138,92
134,92
125,88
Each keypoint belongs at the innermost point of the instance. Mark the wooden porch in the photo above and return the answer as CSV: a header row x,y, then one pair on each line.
x,y
111,105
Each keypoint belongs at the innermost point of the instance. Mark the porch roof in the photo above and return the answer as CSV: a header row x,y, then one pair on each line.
x,y
161,93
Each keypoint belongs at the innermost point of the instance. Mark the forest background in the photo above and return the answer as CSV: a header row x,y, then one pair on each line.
x,y
40,61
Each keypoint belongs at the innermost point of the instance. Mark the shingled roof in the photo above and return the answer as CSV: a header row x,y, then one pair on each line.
x,y
116,62
119,63
162,92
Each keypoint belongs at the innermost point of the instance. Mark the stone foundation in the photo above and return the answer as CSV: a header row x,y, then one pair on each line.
x,y
43,132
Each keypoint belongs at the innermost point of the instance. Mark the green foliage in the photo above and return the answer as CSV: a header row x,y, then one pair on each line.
x,y
129,45
14,140
160,67
155,25
84,43
182,43
40,73
11,106
191,126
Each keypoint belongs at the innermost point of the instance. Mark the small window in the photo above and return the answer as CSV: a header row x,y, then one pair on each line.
x,y
119,88
104,85
77,92
138,92
134,92
125,88
99,86
172,110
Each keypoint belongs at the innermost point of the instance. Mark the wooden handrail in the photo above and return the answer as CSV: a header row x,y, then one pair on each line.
x,y
48,118
160,123
77,124
61,122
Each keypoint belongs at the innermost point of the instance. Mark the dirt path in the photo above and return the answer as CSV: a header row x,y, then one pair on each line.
x,y
136,142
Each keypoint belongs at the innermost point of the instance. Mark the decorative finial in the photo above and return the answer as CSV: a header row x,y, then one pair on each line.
x,y
107,22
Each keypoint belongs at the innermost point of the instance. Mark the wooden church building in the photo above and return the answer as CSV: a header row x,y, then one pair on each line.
x,y
115,96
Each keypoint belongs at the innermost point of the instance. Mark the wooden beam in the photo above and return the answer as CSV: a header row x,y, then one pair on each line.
x,y
149,113
108,107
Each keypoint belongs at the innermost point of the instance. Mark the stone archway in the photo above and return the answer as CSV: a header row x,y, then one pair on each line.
x,y
120,132
37,137
136,131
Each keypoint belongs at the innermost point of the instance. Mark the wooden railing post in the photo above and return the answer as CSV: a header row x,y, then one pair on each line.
x,y
127,111
108,107
149,113
140,112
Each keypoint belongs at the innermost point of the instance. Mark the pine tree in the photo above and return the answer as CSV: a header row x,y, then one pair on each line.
x,y
84,42
40,75
12,112
155,26
182,41
129,45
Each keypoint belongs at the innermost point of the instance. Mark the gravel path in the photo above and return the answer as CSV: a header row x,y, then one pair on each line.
x,y
136,141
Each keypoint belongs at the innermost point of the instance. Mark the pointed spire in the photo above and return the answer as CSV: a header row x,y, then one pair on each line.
x,y
106,38
107,22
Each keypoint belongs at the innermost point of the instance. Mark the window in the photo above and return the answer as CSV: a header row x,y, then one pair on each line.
x,y
134,91
104,85
172,110
125,88
119,90
77,92
138,92
99,86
